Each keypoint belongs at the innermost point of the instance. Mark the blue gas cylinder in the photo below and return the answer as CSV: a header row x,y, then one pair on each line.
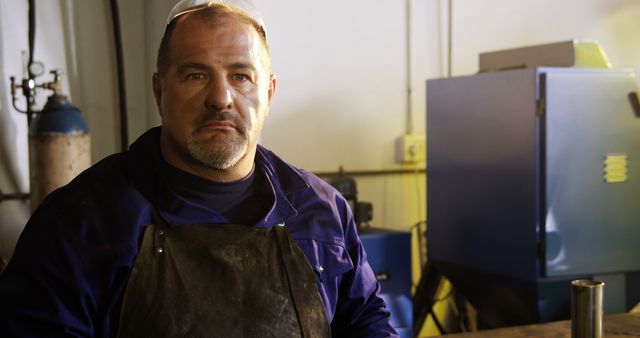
x,y
59,147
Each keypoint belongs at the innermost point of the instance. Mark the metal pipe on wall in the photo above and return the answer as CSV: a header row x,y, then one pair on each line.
x,y
450,39
122,93
409,52
383,172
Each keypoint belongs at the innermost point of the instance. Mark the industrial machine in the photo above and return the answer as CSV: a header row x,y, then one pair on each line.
x,y
533,181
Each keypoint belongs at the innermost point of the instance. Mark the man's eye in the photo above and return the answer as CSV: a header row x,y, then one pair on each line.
x,y
240,77
196,76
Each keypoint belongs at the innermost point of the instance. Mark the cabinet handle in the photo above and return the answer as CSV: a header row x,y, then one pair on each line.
x,y
635,103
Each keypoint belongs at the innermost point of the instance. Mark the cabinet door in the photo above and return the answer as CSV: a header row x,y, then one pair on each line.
x,y
482,173
592,226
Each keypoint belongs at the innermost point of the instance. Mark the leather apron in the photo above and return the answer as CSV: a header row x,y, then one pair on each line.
x,y
221,281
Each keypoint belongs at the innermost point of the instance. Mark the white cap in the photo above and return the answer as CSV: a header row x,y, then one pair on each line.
x,y
187,6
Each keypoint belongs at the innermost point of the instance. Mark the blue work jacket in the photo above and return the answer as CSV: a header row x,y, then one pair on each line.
x,y
73,259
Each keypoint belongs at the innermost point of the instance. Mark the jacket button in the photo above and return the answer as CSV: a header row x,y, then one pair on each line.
x,y
320,268
159,250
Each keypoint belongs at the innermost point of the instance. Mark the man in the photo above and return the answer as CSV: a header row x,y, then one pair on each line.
x,y
196,231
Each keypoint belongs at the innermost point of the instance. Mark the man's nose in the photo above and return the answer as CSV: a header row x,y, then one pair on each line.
x,y
219,95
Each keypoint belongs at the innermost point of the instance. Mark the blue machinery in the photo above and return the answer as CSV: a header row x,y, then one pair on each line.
x,y
389,254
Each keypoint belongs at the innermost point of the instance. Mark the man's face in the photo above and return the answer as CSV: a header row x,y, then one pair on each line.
x,y
214,96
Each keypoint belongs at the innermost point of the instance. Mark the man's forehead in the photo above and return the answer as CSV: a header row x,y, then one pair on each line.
x,y
229,41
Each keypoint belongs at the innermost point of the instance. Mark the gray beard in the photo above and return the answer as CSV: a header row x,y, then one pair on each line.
x,y
218,156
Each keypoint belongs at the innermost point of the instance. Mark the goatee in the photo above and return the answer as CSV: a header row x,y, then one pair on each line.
x,y
214,154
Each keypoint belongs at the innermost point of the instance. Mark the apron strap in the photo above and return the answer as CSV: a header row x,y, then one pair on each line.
x,y
295,277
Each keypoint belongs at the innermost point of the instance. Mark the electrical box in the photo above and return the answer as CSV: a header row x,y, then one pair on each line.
x,y
411,149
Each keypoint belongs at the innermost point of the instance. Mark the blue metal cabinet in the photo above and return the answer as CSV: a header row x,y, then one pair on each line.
x,y
519,201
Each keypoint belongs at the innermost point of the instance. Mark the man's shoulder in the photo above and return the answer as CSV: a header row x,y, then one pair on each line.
x,y
98,210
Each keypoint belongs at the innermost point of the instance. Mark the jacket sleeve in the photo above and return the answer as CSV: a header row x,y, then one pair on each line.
x,y
43,292
360,312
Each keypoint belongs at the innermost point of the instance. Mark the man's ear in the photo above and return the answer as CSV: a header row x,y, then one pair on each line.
x,y
273,80
157,90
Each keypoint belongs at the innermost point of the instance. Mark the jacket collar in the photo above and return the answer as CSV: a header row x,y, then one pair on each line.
x,y
143,167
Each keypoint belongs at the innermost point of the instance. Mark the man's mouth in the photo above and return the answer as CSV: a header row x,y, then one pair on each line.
x,y
215,124
220,122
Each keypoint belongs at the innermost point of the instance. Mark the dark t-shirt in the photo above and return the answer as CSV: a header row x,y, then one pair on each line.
x,y
241,202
